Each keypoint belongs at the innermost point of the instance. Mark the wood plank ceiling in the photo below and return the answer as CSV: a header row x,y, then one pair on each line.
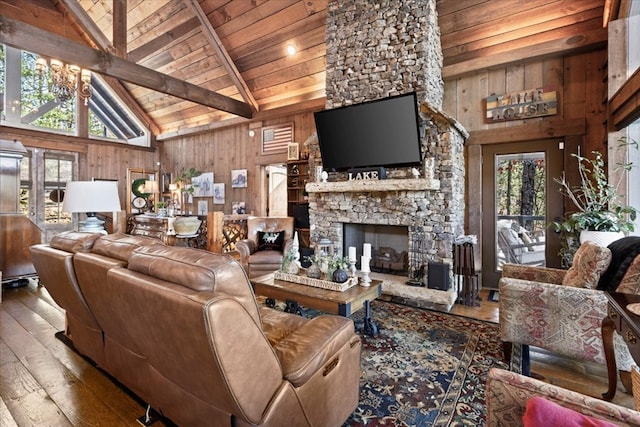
x,y
237,48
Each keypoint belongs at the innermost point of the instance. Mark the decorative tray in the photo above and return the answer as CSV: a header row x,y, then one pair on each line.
x,y
316,283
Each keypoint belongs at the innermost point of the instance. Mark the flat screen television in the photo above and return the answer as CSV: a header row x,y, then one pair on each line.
x,y
380,133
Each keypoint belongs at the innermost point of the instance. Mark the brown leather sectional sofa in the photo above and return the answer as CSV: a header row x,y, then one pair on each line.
x,y
181,328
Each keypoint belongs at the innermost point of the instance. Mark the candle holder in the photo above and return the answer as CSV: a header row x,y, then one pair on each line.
x,y
364,268
366,280
352,267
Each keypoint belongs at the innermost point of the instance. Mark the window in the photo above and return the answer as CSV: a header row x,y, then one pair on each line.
x,y
31,103
58,170
26,183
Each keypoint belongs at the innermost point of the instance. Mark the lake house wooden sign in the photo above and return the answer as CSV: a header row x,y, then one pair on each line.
x,y
524,104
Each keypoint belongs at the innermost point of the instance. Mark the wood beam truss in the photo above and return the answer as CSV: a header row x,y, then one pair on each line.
x,y
222,54
33,39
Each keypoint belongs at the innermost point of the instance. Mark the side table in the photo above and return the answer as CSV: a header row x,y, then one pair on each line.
x,y
620,319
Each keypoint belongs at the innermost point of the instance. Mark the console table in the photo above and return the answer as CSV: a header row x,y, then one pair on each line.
x,y
620,319
158,228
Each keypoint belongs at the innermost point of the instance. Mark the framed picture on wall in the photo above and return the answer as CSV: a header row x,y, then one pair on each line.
x,y
203,185
238,208
238,178
218,194
293,151
203,207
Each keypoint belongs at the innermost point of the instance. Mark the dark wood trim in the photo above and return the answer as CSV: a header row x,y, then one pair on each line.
x,y
624,105
552,128
23,36
40,139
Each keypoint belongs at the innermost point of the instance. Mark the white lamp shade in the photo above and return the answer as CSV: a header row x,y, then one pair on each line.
x,y
151,186
91,196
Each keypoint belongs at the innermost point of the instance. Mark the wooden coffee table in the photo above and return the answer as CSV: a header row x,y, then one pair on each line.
x,y
297,296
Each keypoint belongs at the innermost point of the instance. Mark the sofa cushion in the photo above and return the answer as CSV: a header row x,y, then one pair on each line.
x,y
73,241
270,240
630,283
120,246
623,252
541,412
266,257
589,262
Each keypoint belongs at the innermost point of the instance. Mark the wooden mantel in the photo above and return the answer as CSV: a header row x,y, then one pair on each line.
x,y
373,185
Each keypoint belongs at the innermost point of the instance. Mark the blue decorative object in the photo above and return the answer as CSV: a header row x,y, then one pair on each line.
x,y
340,275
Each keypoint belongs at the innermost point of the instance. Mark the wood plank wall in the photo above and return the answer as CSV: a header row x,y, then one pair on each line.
x,y
580,82
224,150
96,159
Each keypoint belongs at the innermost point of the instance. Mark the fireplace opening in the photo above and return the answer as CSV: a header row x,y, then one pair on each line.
x,y
389,246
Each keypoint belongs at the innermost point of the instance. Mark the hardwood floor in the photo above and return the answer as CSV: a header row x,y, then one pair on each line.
x,y
43,382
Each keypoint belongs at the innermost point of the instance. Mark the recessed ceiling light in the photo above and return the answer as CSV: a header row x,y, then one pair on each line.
x,y
291,50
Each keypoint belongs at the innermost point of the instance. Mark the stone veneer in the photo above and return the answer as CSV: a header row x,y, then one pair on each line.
x,y
375,50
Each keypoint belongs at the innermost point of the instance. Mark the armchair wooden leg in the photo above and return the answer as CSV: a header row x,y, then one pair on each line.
x,y
526,361
507,349
608,327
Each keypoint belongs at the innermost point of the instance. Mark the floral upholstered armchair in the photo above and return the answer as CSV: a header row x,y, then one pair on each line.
x,y
559,310
509,394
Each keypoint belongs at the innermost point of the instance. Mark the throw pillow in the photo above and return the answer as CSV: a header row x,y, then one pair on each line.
x,y
589,262
270,240
630,283
541,412
623,252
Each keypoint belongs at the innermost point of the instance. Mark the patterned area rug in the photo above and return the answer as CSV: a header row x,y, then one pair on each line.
x,y
426,368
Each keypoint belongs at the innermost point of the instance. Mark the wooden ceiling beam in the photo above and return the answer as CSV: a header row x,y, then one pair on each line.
x,y
120,27
306,106
624,105
33,39
90,28
163,40
222,54
556,47
94,33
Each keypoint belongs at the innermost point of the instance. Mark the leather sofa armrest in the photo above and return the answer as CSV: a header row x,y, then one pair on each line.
x,y
245,247
507,394
313,346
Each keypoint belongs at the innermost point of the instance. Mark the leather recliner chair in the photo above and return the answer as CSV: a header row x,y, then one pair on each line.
x,y
54,264
260,262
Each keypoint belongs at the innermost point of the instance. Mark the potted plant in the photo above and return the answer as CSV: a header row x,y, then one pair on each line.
x,y
186,188
162,208
599,208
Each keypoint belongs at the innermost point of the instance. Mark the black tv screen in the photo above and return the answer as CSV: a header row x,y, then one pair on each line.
x,y
378,133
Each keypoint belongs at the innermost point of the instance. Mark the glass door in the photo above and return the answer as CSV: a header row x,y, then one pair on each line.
x,y
521,199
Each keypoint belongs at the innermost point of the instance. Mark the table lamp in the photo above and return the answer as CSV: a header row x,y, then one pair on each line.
x,y
90,197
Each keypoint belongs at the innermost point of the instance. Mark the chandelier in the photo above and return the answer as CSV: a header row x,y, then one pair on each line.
x,y
67,79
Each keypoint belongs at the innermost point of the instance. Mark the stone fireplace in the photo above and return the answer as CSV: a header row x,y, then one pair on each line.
x,y
376,50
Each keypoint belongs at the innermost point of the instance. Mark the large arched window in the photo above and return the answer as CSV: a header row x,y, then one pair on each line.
x,y
29,101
